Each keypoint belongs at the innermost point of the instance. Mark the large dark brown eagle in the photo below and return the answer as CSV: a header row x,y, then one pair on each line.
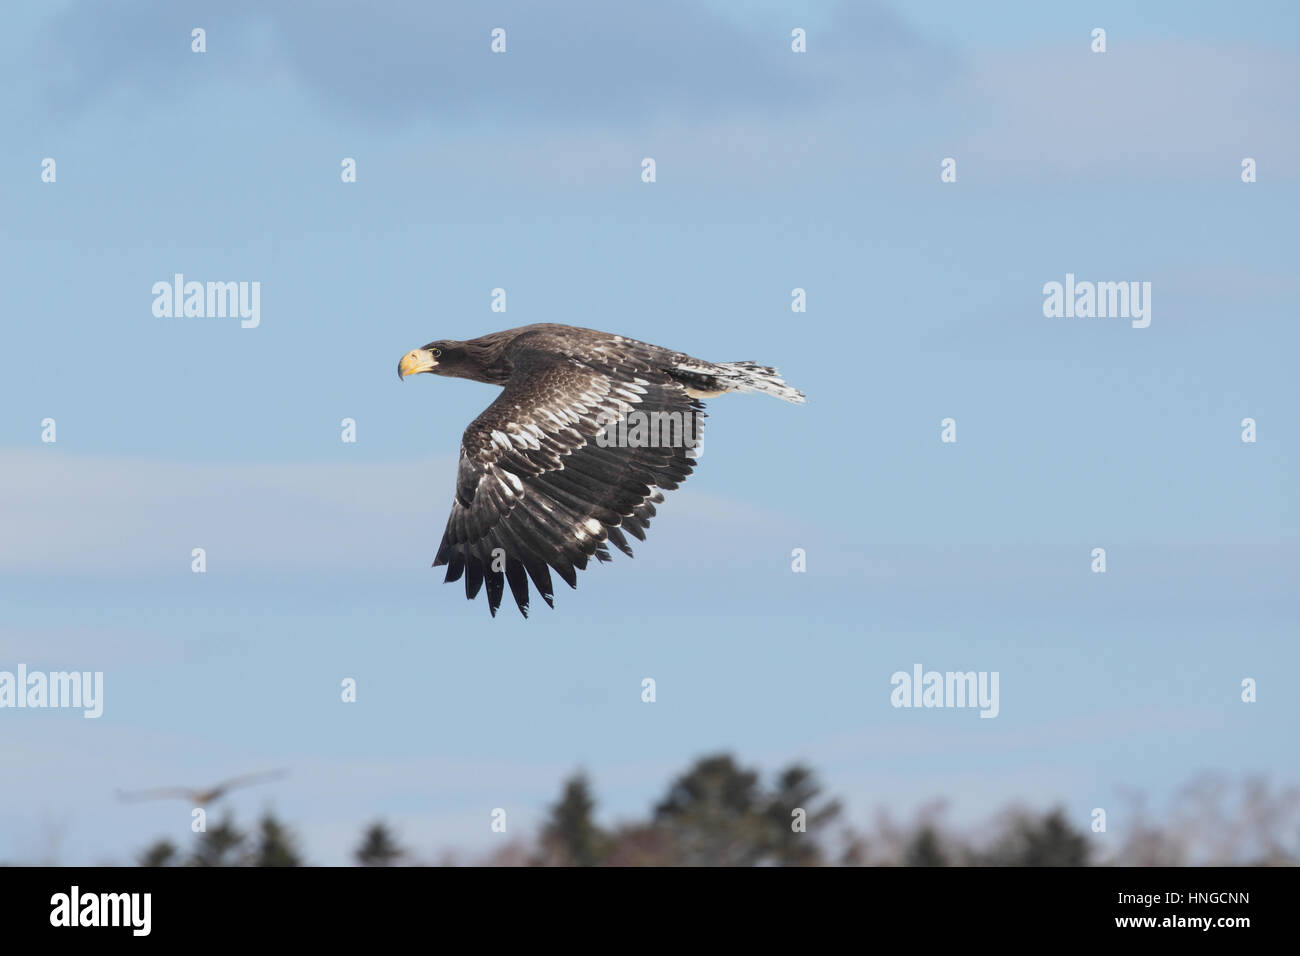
x,y
588,432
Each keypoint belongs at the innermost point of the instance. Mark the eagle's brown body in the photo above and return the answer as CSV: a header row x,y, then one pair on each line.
x,y
546,477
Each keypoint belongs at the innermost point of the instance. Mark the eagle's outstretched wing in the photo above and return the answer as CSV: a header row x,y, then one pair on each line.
x,y
539,486
248,779
158,793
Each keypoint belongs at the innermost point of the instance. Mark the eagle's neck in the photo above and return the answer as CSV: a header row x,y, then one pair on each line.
x,y
488,361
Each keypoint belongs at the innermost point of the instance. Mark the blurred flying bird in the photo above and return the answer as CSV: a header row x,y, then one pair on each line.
x,y
204,796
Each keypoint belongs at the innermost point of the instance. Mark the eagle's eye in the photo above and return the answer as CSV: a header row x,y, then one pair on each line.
x,y
437,353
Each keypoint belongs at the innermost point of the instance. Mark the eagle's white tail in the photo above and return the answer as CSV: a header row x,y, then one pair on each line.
x,y
749,377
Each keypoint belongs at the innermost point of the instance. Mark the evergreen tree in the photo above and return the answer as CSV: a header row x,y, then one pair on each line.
x,y
925,848
797,789
715,815
218,844
378,848
1041,841
162,853
275,845
571,833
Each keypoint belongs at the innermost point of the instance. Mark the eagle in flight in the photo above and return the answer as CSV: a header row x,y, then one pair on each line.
x,y
200,796
588,432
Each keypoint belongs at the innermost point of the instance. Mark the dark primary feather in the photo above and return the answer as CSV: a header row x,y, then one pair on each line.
x,y
534,489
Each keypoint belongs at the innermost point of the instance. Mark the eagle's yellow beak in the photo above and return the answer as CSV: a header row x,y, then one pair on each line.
x,y
416,361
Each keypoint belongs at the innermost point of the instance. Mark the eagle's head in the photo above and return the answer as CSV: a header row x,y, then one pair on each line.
x,y
440,358
479,360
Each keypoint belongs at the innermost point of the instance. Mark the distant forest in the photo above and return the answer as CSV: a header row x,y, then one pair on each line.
x,y
719,813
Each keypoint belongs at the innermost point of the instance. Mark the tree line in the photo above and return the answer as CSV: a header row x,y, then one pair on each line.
x,y
720,813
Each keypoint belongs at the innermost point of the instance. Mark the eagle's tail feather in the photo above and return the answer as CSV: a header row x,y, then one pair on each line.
x,y
751,377
709,379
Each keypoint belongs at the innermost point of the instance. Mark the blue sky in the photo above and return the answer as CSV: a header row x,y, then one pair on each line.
x,y
522,171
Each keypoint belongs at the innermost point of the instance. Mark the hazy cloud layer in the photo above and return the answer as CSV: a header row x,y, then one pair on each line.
x,y
574,63
1154,112
104,515
584,85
